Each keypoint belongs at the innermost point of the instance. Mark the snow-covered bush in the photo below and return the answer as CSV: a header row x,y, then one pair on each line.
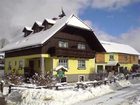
x,y
14,79
40,80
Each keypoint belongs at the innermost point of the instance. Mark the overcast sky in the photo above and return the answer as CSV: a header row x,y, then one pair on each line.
x,y
111,20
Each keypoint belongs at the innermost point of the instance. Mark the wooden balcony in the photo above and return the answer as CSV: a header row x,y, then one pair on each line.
x,y
71,52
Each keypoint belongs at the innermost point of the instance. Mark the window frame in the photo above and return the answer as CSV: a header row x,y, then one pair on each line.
x,y
100,68
111,57
21,64
81,62
9,65
81,46
63,44
79,77
63,62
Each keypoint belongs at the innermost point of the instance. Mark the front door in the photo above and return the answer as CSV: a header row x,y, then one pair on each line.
x,y
31,66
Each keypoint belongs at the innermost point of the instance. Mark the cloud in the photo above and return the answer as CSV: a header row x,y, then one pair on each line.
x,y
99,33
111,4
132,37
15,14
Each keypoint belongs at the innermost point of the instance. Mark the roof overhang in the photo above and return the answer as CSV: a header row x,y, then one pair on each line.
x,y
113,63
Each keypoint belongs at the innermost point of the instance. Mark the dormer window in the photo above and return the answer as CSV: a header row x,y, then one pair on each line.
x,y
37,27
63,44
48,23
27,31
81,46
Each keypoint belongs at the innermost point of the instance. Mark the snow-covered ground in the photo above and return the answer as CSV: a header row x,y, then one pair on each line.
x,y
62,97
126,96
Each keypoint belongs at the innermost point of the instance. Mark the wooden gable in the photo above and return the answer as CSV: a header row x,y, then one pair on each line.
x,y
73,36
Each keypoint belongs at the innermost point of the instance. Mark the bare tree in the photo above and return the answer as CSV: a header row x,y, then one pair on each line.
x,y
3,42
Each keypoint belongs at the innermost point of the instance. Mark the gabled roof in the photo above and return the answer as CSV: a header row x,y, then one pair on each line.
x,y
43,36
112,47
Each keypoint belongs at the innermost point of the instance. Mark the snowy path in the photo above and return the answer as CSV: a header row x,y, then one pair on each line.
x,y
115,98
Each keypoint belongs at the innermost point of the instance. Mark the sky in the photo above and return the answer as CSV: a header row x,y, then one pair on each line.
x,y
111,20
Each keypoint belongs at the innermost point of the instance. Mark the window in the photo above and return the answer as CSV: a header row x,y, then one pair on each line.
x,y
111,57
100,69
81,46
63,62
9,66
21,64
63,44
64,79
81,78
81,64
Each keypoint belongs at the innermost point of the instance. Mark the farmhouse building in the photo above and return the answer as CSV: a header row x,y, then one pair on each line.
x,y
67,41
117,57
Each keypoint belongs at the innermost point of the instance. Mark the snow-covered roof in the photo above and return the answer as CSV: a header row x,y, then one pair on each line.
x,y
50,21
39,23
74,21
43,36
28,28
112,47
60,67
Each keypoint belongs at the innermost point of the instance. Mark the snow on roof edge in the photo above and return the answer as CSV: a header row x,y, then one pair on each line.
x,y
33,40
57,29
50,20
114,47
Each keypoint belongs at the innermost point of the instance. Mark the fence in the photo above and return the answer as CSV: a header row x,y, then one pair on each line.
x,y
82,85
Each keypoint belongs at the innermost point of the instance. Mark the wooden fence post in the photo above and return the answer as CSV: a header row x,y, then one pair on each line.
x,y
1,87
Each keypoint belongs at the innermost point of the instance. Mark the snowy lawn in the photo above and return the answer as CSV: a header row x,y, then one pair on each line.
x,y
61,97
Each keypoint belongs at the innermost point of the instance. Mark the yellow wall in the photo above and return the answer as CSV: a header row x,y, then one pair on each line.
x,y
107,55
127,65
73,66
50,64
15,67
116,58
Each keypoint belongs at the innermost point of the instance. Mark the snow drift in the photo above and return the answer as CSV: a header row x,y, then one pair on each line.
x,y
61,97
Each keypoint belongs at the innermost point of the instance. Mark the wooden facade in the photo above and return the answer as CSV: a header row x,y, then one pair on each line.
x,y
73,36
100,58
126,58
122,58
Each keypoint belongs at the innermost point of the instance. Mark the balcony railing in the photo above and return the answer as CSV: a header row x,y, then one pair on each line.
x,y
71,52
